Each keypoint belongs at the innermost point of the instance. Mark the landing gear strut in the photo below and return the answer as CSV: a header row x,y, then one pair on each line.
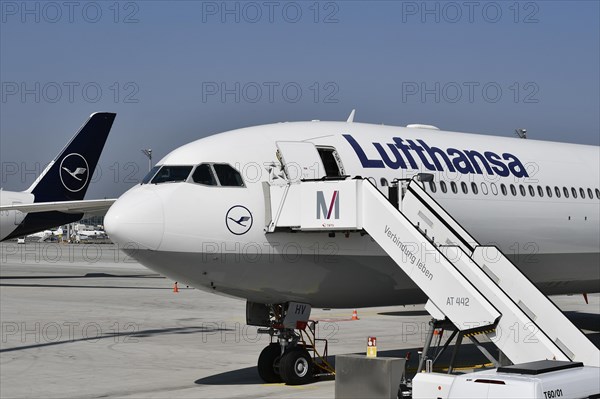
x,y
292,356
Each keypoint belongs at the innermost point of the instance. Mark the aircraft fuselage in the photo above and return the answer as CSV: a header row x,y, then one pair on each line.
x,y
213,237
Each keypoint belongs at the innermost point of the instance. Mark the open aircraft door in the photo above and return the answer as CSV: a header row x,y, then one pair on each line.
x,y
300,160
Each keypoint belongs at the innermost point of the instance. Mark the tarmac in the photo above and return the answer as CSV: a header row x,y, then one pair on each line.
x,y
85,321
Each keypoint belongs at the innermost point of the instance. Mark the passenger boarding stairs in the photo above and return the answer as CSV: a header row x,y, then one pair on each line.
x,y
475,287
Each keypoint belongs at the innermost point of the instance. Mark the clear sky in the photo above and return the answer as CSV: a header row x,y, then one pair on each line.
x,y
180,70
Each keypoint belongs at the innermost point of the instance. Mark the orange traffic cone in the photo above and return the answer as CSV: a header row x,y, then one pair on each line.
x,y
175,288
354,315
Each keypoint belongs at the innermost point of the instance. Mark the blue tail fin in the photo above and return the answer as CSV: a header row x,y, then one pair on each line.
x,y
68,176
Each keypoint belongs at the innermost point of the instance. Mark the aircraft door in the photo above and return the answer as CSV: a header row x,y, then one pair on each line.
x,y
331,161
300,160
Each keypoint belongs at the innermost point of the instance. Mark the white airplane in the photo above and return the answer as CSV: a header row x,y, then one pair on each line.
x,y
91,233
42,235
56,197
202,215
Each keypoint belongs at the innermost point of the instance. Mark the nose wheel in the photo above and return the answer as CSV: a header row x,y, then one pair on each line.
x,y
296,367
268,364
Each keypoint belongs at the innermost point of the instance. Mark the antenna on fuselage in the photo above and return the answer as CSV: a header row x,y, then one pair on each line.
x,y
521,133
351,117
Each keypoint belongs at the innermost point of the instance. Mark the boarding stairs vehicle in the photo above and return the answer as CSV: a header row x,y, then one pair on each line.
x,y
474,287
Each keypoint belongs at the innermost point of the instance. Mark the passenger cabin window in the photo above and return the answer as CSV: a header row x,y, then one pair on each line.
x,y
503,188
484,188
454,187
474,188
443,186
597,193
566,192
464,188
150,175
582,192
228,177
330,162
513,190
204,175
532,191
494,188
172,174
557,191
549,191
590,194
432,186
384,182
522,190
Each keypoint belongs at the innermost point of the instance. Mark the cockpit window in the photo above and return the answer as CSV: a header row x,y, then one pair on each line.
x,y
150,175
168,174
204,175
228,177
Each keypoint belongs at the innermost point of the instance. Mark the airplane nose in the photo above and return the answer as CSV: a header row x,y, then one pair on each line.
x,y
136,219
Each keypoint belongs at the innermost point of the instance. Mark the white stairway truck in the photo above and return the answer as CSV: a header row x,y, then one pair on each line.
x,y
475,287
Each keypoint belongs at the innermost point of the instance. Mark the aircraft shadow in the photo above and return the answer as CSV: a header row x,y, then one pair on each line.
x,y
88,275
245,376
249,375
125,336
85,276
585,321
405,313
468,356
84,286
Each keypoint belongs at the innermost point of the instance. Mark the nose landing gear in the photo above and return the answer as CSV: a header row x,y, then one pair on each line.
x,y
293,358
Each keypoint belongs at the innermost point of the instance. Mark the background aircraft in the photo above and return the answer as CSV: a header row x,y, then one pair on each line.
x,y
56,197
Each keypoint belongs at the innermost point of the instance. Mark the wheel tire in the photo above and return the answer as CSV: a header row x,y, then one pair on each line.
x,y
267,361
296,367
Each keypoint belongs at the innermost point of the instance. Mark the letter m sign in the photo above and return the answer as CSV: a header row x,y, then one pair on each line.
x,y
323,210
